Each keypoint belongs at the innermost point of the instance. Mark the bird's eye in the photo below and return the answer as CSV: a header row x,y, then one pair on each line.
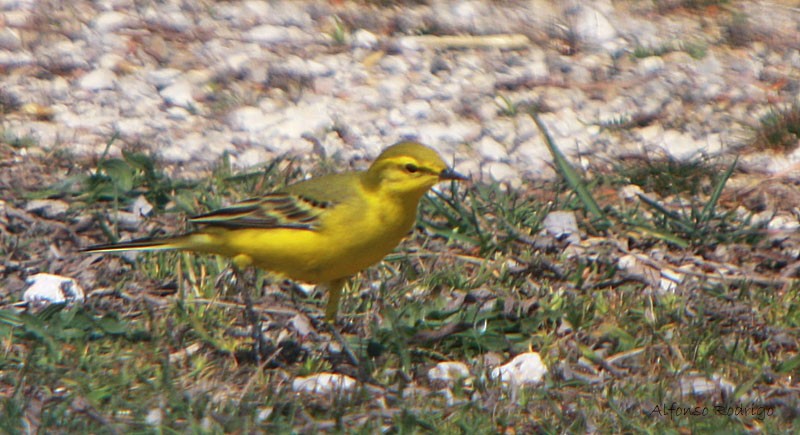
x,y
411,168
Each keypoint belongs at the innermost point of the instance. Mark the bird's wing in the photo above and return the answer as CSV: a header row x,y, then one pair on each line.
x,y
275,210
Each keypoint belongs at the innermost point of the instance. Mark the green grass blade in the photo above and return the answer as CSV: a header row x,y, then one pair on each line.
x,y
708,210
569,173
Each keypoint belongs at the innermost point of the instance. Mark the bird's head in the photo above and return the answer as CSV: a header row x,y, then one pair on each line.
x,y
408,170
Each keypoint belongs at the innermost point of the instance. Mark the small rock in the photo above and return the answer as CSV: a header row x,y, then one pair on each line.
x,y
48,208
248,118
141,206
15,59
48,288
267,34
394,65
504,173
630,193
324,383
490,149
593,27
364,39
417,109
101,78
111,21
302,325
525,368
178,94
562,224
448,371
650,65
163,77
783,223
695,384
9,39
392,90
126,220
154,417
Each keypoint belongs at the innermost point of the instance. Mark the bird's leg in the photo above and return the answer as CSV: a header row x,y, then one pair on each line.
x,y
253,318
334,295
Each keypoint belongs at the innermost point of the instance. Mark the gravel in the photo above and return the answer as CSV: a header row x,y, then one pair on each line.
x,y
255,78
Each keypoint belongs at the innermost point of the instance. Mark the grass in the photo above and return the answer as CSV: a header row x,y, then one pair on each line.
x,y
161,344
778,130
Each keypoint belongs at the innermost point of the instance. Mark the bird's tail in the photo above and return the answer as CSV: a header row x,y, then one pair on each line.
x,y
140,245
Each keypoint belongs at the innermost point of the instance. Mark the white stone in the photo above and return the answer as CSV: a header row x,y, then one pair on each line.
x,y
526,368
15,59
111,21
392,90
177,113
417,109
178,94
162,77
395,65
455,133
561,223
490,149
783,223
17,18
154,417
101,78
267,34
630,192
49,208
533,155
651,135
174,20
504,173
131,127
324,383
448,371
695,384
650,65
592,26
110,61
49,288
364,39
141,206
681,145
9,39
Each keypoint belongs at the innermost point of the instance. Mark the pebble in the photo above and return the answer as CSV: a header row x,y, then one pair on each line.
x,y
98,79
562,224
116,67
9,39
45,288
111,21
268,34
525,369
162,77
448,371
650,65
695,384
48,208
324,384
179,93
490,149
364,39
592,26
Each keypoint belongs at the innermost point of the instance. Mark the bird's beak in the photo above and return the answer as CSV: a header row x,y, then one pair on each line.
x,y
449,174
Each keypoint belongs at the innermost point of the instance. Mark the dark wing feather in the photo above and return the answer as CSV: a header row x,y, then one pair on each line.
x,y
276,210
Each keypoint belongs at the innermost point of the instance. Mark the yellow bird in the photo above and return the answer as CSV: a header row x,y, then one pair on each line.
x,y
322,230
